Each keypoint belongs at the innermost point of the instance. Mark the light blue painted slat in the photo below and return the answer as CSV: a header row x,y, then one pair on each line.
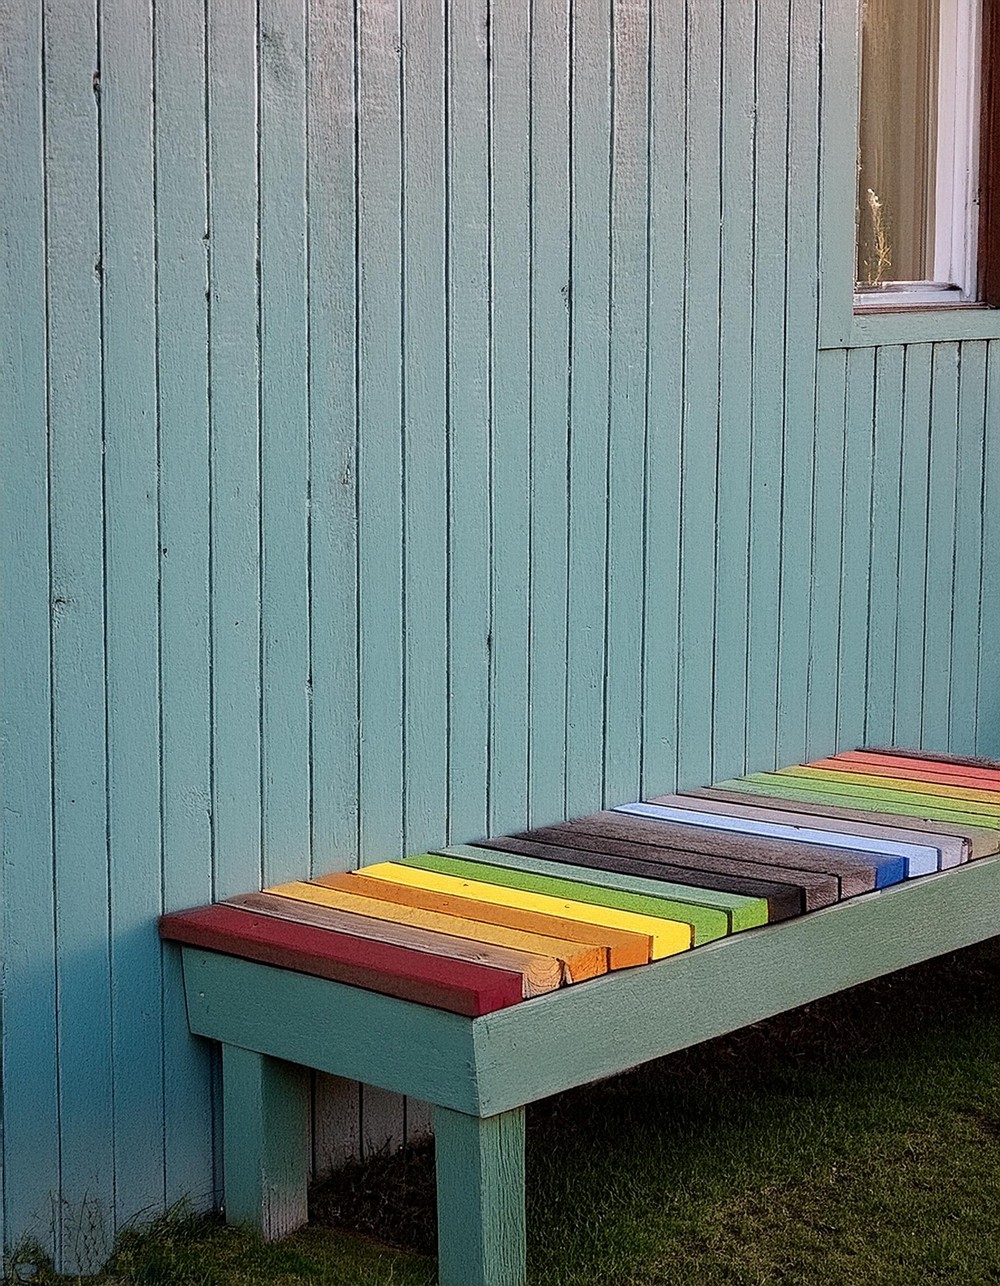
x,y
824,617
940,542
550,302
912,547
235,444
590,318
509,539
30,1110
182,283
769,378
920,859
78,642
626,413
333,427
379,433
988,697
424,414
469,400
284,442
133,558
966,623
735,354
664,403
882,582
699,459
801,304
855,564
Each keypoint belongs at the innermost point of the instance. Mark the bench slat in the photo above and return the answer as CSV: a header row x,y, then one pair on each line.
x,y
912,769
856,774
888,793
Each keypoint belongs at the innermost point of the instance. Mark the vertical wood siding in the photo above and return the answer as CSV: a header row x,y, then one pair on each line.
x,y
412,425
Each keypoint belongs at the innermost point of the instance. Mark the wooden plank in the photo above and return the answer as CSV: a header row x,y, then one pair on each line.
x,y
949,850
458,986
988,658
491,883
628,858
977,841
914,767
397,883
814,889
577,962
537,971
970,799
923,781
900,859
740,912
858,872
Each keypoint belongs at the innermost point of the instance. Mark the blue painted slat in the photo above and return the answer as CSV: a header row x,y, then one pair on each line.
x,y
182,323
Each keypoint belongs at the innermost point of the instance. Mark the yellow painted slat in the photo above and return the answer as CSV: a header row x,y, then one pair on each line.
x,y
668,936
578,961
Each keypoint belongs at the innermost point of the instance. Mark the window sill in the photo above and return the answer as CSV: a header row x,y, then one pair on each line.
x,y
871,327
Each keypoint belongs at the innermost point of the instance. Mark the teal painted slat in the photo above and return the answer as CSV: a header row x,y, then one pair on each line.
x,y
550,304
469,403
424,418
855,557
78,638
625,499
988,696
133,558
885,517
29,1106
940,543
284,442
912,547
769,378
966,622
589,360
379,433
735,353
699,457
182,318
824,616
333,392
510,34
664,403
235,445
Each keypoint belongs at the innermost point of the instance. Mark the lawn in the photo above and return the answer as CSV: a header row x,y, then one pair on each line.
x,y
855,1141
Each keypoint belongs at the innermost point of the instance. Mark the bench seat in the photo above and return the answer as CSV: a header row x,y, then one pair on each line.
x,y
484,977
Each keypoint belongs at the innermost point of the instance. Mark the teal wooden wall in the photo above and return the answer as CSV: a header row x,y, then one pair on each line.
x,y
412,424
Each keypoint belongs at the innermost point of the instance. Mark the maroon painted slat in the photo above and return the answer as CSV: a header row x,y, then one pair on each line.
x,y
455,985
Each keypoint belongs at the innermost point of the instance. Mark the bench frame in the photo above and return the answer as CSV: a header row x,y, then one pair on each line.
x,y
479,1073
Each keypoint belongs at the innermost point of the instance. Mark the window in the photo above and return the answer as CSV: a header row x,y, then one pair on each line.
x,y
910,171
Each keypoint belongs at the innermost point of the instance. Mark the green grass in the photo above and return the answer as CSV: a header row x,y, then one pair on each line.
x,y
855,1141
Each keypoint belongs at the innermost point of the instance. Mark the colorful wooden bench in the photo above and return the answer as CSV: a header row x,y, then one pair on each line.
x,y
481,978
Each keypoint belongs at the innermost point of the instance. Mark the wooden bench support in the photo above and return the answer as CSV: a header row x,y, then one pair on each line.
x,y
480,1191
265,1107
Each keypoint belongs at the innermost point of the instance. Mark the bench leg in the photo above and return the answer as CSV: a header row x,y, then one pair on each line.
x,y
480,1196
265,1152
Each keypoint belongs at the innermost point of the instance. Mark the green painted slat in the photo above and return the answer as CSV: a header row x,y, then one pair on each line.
x,y
284,494
967,621
491,867
855,564
380,532
699,446
741,912
133,564
589,303
333,279
78,635
550,303
29,1148
735,364
182,312
633,1015
940,542
510,83
912,558
235,445
988,695
885,519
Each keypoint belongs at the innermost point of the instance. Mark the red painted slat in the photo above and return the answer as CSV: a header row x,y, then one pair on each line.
x,y
458,986
943,772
